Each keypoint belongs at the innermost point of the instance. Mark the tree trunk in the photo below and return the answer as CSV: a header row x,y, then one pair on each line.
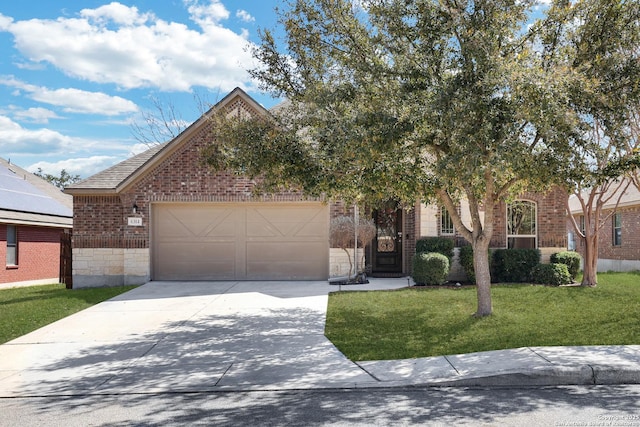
x,y
483,276
590,271
346,251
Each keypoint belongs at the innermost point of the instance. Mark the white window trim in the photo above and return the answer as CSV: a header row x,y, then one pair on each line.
x,y
13,246
535,236
440,229
614,228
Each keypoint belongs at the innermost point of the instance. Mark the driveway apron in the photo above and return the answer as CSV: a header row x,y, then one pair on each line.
x,y
185,337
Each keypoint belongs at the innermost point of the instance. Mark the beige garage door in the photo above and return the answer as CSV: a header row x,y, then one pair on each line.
x,y
240,241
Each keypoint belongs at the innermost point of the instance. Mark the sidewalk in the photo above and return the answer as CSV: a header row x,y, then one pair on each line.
x,y
224,336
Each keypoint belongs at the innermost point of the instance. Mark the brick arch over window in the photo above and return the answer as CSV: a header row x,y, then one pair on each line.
x,y
522,225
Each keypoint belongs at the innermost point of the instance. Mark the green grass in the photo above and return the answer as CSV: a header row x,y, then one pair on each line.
x,y
23,310
422,322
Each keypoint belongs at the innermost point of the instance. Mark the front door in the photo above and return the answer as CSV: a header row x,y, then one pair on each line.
x,y
387,246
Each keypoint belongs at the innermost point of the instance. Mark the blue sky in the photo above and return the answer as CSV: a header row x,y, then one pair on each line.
x,y
75,75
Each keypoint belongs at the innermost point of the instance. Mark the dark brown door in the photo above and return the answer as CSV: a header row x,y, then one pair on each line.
x,y
387,246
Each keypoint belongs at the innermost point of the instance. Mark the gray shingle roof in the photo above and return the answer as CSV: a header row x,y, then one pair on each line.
x,y
111,178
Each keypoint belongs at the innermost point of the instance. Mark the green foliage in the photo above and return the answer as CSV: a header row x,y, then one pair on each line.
x,y
428,99
514,265
570,259
29,308
594,46
436,322
441,245
61,181
430,268
551,274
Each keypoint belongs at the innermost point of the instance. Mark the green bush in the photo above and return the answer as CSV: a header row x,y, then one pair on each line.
x,y
555,274
441,245
466,261
514,265
570,259
430,268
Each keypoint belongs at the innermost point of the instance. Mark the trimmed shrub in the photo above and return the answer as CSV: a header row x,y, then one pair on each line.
x,y
430,268
514,265
570,259
466,261
440,245
555,274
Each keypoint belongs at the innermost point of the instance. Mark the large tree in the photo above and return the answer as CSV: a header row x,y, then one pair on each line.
x,y
432,100
597,44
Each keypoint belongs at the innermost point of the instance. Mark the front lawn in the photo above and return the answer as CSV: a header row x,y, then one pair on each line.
x,y
23,310
422,322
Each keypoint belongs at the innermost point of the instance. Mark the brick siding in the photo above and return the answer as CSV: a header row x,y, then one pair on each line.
x,y
38,254
551,219
630,247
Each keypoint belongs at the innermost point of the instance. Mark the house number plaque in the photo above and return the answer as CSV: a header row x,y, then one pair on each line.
x,y
134,221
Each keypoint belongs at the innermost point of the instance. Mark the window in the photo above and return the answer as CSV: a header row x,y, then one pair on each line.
x,y
581,223
617,229
12,245
521,225
446,223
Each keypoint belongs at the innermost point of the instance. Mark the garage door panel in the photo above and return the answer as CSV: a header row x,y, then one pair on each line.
x,y
294,252
294,222
241,241
197,272
195,222
199,251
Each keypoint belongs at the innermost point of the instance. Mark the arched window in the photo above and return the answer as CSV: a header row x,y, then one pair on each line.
x,y
446,223
521,225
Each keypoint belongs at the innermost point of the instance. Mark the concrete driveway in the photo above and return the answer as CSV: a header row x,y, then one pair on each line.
x,y
187,336
229,336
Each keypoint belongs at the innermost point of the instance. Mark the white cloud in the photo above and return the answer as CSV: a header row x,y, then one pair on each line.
x,y
80,101
118,44
117,13
45,143
75,100
5,22
245,16
83,166
35,115
208,14
16,139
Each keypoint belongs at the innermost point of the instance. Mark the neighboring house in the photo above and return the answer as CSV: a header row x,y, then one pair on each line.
x,y
164,215
34,217
619,238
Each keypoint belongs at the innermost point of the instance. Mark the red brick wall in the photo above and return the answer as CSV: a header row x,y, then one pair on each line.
x,y
38,254
551,224
630,247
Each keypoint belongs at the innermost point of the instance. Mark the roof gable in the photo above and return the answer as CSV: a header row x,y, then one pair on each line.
x,y
128,172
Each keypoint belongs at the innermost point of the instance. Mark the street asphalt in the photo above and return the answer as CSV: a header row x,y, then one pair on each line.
x,y
173,337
